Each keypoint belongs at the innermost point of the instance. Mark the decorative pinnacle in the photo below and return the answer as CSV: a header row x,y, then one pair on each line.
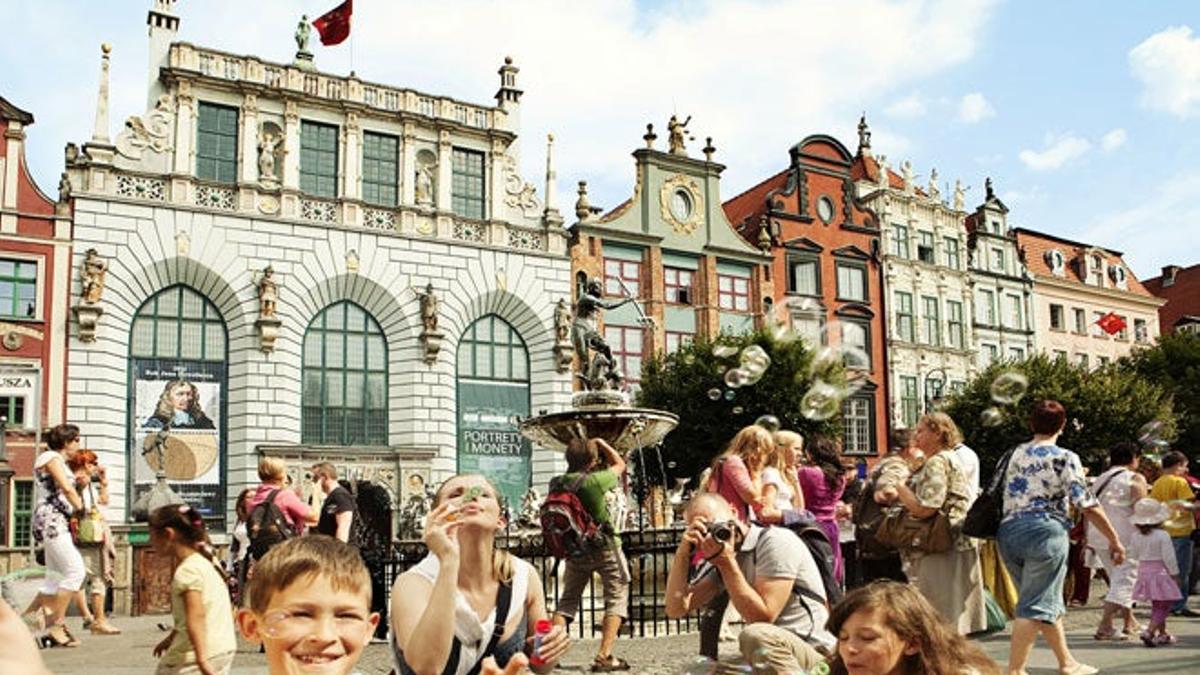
x,y
508,60
106,48
650,136
709,149
582,208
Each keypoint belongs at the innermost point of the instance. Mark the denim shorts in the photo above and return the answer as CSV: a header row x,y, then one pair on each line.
x,y
1034,549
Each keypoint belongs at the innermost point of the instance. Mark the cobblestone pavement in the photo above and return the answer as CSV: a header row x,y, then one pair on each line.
x,y
129,653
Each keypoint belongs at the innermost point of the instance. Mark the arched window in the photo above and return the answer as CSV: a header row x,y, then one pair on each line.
x,y
345,378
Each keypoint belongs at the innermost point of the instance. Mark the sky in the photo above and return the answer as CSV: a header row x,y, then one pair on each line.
x,y
1085,114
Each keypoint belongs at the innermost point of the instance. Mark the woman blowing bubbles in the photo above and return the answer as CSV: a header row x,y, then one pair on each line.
x,y
467,600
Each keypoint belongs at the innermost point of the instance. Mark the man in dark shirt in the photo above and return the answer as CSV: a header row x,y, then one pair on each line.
x,y
337,511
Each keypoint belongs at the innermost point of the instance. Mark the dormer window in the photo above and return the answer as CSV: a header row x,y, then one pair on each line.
x,y
1119,276
1096,270
1056,261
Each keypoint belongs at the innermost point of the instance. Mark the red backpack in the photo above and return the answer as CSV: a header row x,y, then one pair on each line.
x,y
568,528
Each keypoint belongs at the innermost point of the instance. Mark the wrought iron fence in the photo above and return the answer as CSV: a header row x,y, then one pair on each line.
x,y
649,552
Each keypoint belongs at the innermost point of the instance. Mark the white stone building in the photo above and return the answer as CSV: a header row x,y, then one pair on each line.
x,y
1002,284
927,285
409,312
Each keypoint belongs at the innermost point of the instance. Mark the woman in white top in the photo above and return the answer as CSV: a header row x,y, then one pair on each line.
x,y
780,488
1118,489
58,501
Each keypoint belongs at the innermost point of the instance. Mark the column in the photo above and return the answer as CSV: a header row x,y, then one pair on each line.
x,y
351,158
408,164
291,133
445,171
493,183
184,131
248,161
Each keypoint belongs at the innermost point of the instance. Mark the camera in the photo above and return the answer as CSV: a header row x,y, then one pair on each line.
x,y
722,531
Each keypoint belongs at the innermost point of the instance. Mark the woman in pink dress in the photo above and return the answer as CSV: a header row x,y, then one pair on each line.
x,y
823,482
736,472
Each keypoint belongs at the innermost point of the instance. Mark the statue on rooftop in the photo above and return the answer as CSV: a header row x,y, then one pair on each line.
x,y
676,131
302,32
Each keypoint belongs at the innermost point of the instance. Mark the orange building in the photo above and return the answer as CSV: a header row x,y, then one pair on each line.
x,y
826,268
35,254
1180,287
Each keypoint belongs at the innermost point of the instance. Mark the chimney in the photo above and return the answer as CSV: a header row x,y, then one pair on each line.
x,y
1169,273
163,26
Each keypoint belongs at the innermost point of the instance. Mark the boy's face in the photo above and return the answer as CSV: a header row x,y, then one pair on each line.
x,y
309,627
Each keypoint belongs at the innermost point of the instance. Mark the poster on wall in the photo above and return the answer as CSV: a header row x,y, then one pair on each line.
x,y
177,424
488,440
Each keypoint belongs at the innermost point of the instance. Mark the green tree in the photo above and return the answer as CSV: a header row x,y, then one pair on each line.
x,y
1104,407
685,382
1174,363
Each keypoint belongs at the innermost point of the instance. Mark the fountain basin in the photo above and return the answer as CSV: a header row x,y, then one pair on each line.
x,y
623,428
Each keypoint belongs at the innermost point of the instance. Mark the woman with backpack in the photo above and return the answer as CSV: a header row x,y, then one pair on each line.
x,y
272,501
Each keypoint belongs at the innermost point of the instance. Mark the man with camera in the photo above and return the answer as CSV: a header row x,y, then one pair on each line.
x,y
771,579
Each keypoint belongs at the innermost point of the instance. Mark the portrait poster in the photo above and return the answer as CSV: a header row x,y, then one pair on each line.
x,y
488,440
178,416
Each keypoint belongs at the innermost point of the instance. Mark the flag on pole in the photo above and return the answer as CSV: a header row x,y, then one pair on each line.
x,y
334,25
1111,323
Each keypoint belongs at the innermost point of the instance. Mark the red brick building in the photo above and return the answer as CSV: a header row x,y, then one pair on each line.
x,y
1180,287
826,267
35,254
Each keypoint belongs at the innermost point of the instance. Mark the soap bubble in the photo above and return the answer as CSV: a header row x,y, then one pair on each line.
x,y
701,666
737,410
714,394
760,660
729,394
670,465
689,358
991,417
1076,424
752,353
768,422
724,351
1009,387
721,368
736,377
1150,433
821,401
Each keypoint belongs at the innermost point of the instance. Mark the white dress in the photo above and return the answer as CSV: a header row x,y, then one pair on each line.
x,y
784,491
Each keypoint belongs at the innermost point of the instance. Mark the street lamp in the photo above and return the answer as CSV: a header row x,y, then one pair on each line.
x,y
930,401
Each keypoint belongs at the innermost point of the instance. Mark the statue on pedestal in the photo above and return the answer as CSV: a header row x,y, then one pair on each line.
x,y
268,146
595,356
675,135
268,293
302,32
92,272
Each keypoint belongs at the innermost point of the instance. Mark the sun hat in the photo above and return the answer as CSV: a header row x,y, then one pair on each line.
x,y
1149,511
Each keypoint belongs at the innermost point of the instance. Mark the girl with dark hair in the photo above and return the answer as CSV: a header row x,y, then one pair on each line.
x,y
203,639
823,482
58,501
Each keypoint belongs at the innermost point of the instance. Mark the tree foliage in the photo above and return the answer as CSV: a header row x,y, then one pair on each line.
x,y
681,383
1174,363
1104,406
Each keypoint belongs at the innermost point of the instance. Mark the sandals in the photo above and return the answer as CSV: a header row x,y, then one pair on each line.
x,y
609,664
1111,635
58,636
105,628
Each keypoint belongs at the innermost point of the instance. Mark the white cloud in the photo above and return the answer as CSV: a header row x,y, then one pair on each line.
x,y
1170,212
974,107
1168,66
1113,140
908,107
1058,151
594,73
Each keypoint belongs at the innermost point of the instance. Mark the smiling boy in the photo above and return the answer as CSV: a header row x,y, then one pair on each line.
x,y
309,604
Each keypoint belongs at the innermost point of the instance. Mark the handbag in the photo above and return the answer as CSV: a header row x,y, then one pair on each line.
x,y
903,532
90,528
984,516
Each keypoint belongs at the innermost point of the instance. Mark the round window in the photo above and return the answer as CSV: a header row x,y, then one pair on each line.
x,y
825,209
681,205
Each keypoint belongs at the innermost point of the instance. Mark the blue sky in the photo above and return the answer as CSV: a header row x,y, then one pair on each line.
x,y
1084,113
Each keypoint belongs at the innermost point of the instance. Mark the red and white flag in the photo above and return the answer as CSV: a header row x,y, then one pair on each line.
x,y
1111,323
334,25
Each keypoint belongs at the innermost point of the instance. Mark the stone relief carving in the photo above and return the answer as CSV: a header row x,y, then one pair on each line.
x,y
92,273
151,132
270,153
519,194
352,261
183,244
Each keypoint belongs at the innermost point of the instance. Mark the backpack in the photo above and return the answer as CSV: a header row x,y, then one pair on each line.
x,y
568,528
266,527
817,543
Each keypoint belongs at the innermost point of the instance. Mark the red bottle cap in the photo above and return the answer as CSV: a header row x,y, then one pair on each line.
x,y
543,626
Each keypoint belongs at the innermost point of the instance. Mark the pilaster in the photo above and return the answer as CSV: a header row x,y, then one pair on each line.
x,y
248,159
408,164
445,171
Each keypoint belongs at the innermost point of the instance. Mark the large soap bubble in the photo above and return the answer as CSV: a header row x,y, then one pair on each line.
x,y
768,422
724,351
1150,433
1009,387
821,401
736,377
714,394
991,417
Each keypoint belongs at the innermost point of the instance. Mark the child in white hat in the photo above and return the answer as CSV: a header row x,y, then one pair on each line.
x,y
1158,572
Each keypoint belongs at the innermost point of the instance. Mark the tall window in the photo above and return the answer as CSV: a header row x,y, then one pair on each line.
x,y
677,339
1016,353
988,355
804,276
932,321
1058,319
179,323
925,247
899,241
1081,359
18,288
904,316
997,260
808,325
466,183
857,334
345,378
985,307
856,425
1097,331
491,350
733,293
1123,334
954,323
851,282
216,143
1060,354
1140,334
379,168
318,159
934,388
626,343
22,512
1080,320
950,245
13,410
617,272
1014,310
677,285
910,407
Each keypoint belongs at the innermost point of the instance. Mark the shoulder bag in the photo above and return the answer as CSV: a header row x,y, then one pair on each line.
x,y
91,524
984,516
904,532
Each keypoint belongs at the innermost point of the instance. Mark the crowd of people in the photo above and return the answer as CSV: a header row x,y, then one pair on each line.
x,y
760,559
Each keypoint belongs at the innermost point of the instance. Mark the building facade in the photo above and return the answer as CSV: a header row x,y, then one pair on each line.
x,y
826,270
1180,287
930,336
1002,285
1076,285
35,262
278,261
671,247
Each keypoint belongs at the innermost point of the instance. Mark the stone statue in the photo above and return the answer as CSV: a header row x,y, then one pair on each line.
x,y
268,145
934,191
600,371
302,32
883,171
64,187
424,185
960,195
562,321
987,186
268,293
675,135
429,308
92,273
530,516
906,171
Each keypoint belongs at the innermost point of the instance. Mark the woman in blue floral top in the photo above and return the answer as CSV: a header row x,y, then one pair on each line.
x,y
1042,483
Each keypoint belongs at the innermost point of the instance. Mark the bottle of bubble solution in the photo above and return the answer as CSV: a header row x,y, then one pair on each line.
x,y
540,630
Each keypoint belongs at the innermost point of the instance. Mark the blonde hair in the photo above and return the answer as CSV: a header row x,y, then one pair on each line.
x,y
310,556
753,444
779,457
502,561
941,424
271,469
